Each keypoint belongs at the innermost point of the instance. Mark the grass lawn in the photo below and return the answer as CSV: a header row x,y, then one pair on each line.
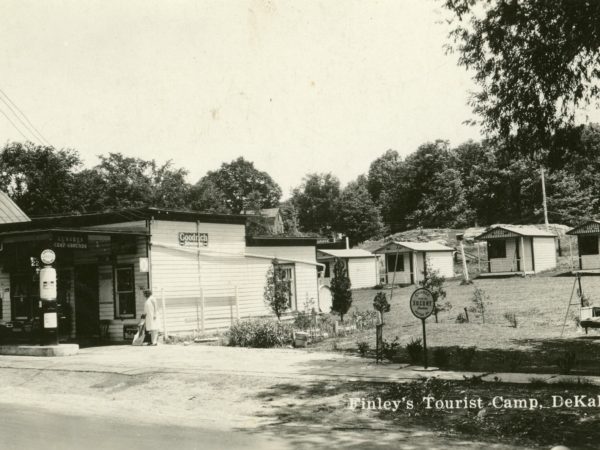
x,y
535,345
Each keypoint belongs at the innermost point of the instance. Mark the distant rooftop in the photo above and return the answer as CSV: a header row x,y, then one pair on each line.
x,y
418,246
347,253
507,231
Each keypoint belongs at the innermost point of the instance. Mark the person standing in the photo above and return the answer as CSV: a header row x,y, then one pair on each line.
x,y
151,313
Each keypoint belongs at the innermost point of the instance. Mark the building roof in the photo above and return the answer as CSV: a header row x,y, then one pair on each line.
x,y
418,246
508,231
346,253
122,216
589,227
280,241
9,211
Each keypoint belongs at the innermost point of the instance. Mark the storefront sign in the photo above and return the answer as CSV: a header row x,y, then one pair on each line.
x,y
421,303
70,241
193,239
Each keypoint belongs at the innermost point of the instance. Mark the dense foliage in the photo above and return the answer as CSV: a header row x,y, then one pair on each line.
x,y
260,333
341,292
277,291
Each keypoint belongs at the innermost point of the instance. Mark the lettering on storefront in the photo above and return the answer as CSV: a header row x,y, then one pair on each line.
x,y
193,239
70,241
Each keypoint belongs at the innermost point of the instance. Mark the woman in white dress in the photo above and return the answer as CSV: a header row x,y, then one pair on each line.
x,y
151,313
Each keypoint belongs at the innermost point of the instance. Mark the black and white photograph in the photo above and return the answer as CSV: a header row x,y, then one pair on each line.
x,y
283,224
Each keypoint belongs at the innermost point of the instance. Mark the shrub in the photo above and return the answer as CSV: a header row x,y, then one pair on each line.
x,y
380,303
480,301
261,333
415,350
511,318
302,321
441,357
566,362
340,289
465,356
390,349
461,318
363,347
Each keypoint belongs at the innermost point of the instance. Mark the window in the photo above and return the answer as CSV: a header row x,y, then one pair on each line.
x,y
497,249
391,260
588,245
286,273
24,298
124,292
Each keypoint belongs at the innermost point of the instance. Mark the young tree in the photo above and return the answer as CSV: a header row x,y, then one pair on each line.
x,y
435,283
340,289
381,304
480,301
277,291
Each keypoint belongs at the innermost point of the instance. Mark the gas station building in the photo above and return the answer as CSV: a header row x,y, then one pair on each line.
x,y
203,270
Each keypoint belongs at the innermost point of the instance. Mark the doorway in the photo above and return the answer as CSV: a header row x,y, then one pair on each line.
x,y
87,311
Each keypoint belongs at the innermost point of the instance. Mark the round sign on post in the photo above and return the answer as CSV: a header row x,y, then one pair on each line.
x,y
422,305
48,256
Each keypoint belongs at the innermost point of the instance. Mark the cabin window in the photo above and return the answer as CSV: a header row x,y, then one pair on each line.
x,y
588,245
497,249
287,273
327,269
125,291
391,260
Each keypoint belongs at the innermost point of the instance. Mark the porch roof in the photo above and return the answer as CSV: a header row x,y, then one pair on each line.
x,y
415,247
590,227
511,231
345,253
80,231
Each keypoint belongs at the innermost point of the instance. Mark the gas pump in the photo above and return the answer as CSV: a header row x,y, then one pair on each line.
x,y
49,316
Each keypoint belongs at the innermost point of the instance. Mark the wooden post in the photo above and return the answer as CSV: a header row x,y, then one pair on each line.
x,y
164,314
522,254
464,261
201,291
544,200
424,345
478,258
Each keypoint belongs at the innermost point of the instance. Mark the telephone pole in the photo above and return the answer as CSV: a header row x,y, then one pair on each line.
x,y
544,200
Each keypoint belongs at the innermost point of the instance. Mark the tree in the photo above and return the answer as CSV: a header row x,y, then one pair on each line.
x,y
244,187
536,62
290,218
206,196
357,216
340,289
315,201
277,290
383,174
39,179
134,182
434,282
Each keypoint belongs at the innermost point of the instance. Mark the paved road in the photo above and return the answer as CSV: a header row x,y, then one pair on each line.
x,y
24,428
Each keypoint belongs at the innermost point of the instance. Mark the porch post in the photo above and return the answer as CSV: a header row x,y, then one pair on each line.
x,y
522,254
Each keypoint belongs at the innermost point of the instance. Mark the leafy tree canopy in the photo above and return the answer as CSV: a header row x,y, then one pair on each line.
x,y
315,201
535,61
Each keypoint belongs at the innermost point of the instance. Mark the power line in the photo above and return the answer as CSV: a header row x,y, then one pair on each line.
x,y
30,126
13,124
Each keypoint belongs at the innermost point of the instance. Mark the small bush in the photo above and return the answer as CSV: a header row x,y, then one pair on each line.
x,y
415,350
465,356
390,349
378,286
302,321
363,347
566,362
441,357
461,318
260,333
511,318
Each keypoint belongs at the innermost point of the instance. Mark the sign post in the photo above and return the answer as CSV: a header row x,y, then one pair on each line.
x,y
421,305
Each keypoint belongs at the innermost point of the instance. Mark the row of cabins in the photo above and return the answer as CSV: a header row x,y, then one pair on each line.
x,y
205,271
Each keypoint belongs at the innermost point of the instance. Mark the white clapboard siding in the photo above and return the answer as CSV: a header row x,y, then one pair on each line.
x,y
442,262
362,272
222,237
5,293
508,264
307,286
545,253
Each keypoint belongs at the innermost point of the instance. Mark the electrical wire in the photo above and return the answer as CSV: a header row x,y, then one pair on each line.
x,y
13,124
30,127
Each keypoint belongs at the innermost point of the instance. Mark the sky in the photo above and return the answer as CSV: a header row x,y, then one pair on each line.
x,y
295,87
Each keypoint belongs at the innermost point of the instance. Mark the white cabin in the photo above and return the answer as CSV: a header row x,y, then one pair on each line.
x,y
519,249
408,262
362,266
588,238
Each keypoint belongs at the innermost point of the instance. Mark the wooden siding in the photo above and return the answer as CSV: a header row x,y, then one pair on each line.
x,y
528,254
307,285
545,253
441,261
5,293
362,272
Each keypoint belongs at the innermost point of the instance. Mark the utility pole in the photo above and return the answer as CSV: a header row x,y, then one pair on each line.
x,y
544,200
